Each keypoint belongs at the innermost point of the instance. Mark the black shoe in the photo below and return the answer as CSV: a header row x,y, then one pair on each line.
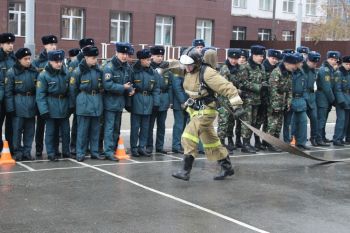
x,y
38,155
321,143
347,142
161,151
27,158
337,143
53,158
238,142
18,157
178,151
58,155
225,170
247,148
184,173
303,147
135,154
81,159
342,142
273,149
142,152
326,140
112,158
97,157
313,142
258,146
149,150
230,145
66,156
73,151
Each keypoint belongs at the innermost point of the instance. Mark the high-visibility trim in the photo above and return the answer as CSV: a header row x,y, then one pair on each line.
x,y
212,145
190,137
236,100
193,112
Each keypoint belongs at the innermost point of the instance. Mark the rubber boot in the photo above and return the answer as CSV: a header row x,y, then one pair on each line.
x,y
247,148
238,142
225,169
230,145
184,173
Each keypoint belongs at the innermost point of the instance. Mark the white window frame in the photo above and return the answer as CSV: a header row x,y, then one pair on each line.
x,y
119,20
239,4
286,35
163,25
287,3
20,13
265,5
236,31
200,25
264,32
71,17
310,7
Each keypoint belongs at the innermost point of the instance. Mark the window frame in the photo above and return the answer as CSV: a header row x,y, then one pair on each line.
x,y
287,10
162,30
238,31
83,22
20,14
203,29
118,33
263,33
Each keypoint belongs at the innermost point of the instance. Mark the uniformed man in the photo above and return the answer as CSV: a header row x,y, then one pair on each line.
x,y
117,85
324,95
270,63
20,103
52,97
7,60
72,53
244,57
201,82
166,98
226,121
298,105
50,44
144,101
72,65
342,98
86,88
251,82
309,68
303,50
199,44
280,96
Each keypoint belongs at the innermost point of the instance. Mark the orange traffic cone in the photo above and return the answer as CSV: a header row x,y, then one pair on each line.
x,y
293,142
6,157
120,153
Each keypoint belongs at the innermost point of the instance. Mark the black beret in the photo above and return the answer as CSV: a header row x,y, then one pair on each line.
x,y
22,52
157,50
274,53
86,42
314,57
346,59
245,53
290,51
55,55
257,50
234,53
333,54
50,39
143,54
7,37
303,49
73,52
290,58
90,51
131,51
122,47
198,42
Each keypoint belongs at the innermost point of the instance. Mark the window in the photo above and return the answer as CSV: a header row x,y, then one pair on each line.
x,y
164,30
287,35
288,6
239,33
265,5
264,34
120,27
72,23
204,30
311,7
239,3
17,19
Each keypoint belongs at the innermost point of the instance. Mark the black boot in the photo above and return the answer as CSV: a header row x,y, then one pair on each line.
x,y
271,148
258,145
230,145
321,143
184,174
226,169
238,142
247,148
313,142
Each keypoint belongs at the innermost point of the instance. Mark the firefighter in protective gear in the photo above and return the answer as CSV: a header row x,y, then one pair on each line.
x,y
201,83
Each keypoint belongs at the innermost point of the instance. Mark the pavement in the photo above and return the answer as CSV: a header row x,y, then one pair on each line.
x,y
270,192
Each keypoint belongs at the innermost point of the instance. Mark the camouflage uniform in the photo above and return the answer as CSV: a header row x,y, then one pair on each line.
x,y
280,98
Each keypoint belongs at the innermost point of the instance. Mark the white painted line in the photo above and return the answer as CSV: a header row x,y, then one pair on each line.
x,y
172,156
176,198
40,170
14,172
25,166
134,161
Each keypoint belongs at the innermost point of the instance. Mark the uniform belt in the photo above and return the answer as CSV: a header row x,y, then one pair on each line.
x,y
92,92
311,90
113,94
143,92
58,96
297,95
29,93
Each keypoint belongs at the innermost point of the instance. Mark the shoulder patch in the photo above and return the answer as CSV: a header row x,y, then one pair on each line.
x,y
327,78
6,80
70,69
38,84
72,81
107,76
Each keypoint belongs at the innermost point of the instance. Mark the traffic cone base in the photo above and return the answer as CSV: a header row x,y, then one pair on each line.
x,y
6,157
120,153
